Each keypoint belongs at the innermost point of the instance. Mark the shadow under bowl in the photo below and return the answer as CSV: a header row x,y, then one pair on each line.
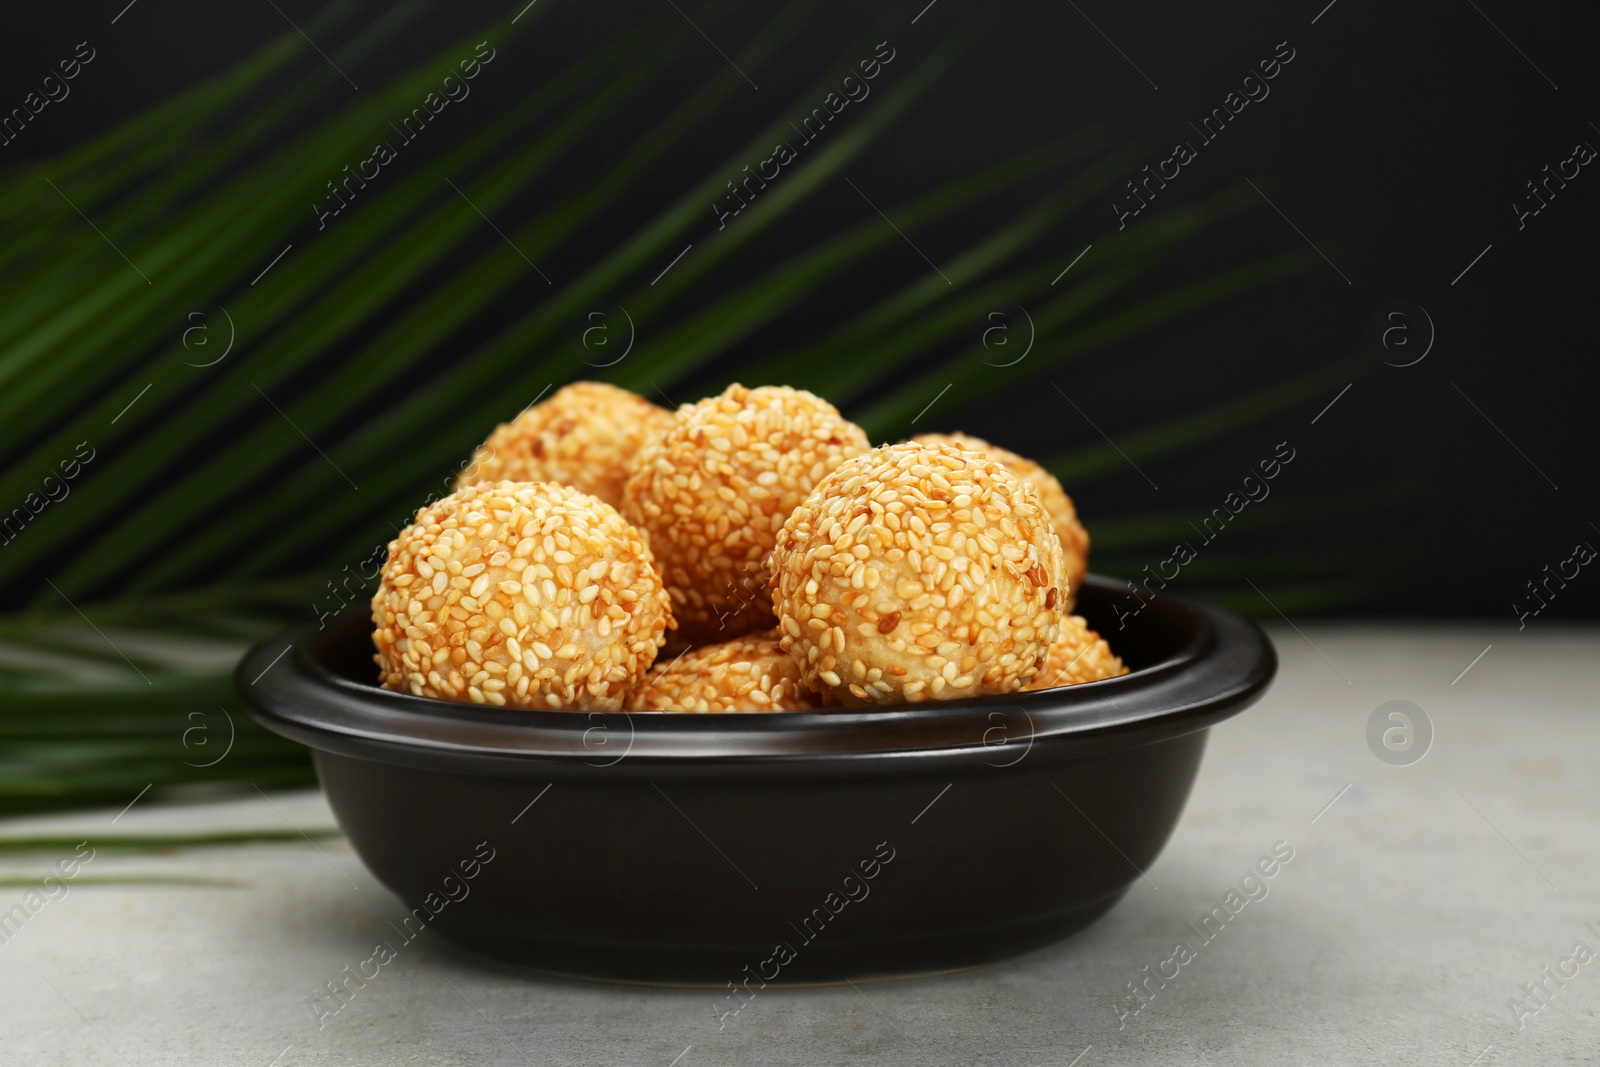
x,y
802,847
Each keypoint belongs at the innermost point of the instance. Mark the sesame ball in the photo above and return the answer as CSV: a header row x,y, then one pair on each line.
x,y
1078,654
918,572
530,594
587,436
1074,538
712,492
749,673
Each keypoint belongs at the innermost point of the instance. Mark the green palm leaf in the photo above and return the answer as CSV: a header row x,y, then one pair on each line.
x,y
207,520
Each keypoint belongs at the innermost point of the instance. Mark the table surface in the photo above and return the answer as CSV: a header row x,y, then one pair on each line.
x,y
1420,901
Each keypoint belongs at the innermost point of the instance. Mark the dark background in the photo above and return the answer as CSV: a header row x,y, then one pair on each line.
x,y
1396,140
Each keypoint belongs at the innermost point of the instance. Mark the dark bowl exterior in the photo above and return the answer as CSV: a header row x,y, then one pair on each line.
x,y
747,849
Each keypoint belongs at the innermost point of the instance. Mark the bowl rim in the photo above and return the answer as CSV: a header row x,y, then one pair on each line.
x,y
1223,666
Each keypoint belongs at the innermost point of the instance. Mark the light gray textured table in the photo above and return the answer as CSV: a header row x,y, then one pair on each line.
x,y
1416,906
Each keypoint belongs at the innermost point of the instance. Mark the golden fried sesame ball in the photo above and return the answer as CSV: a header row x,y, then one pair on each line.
x,y
1078,654
587,436
749,673
712,492
918,572
524,593
1074,538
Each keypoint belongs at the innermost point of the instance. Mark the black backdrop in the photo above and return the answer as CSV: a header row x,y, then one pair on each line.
x,y
1397,140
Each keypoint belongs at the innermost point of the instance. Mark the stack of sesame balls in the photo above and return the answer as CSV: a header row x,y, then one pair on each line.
x,y
749,552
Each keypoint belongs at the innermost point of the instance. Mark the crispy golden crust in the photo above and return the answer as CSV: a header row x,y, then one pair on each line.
x,y
1078,654
1074,538
918,572
523,593
749,673
587,436
713,491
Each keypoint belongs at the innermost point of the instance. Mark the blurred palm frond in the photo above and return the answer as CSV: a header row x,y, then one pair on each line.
x,y
222,495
